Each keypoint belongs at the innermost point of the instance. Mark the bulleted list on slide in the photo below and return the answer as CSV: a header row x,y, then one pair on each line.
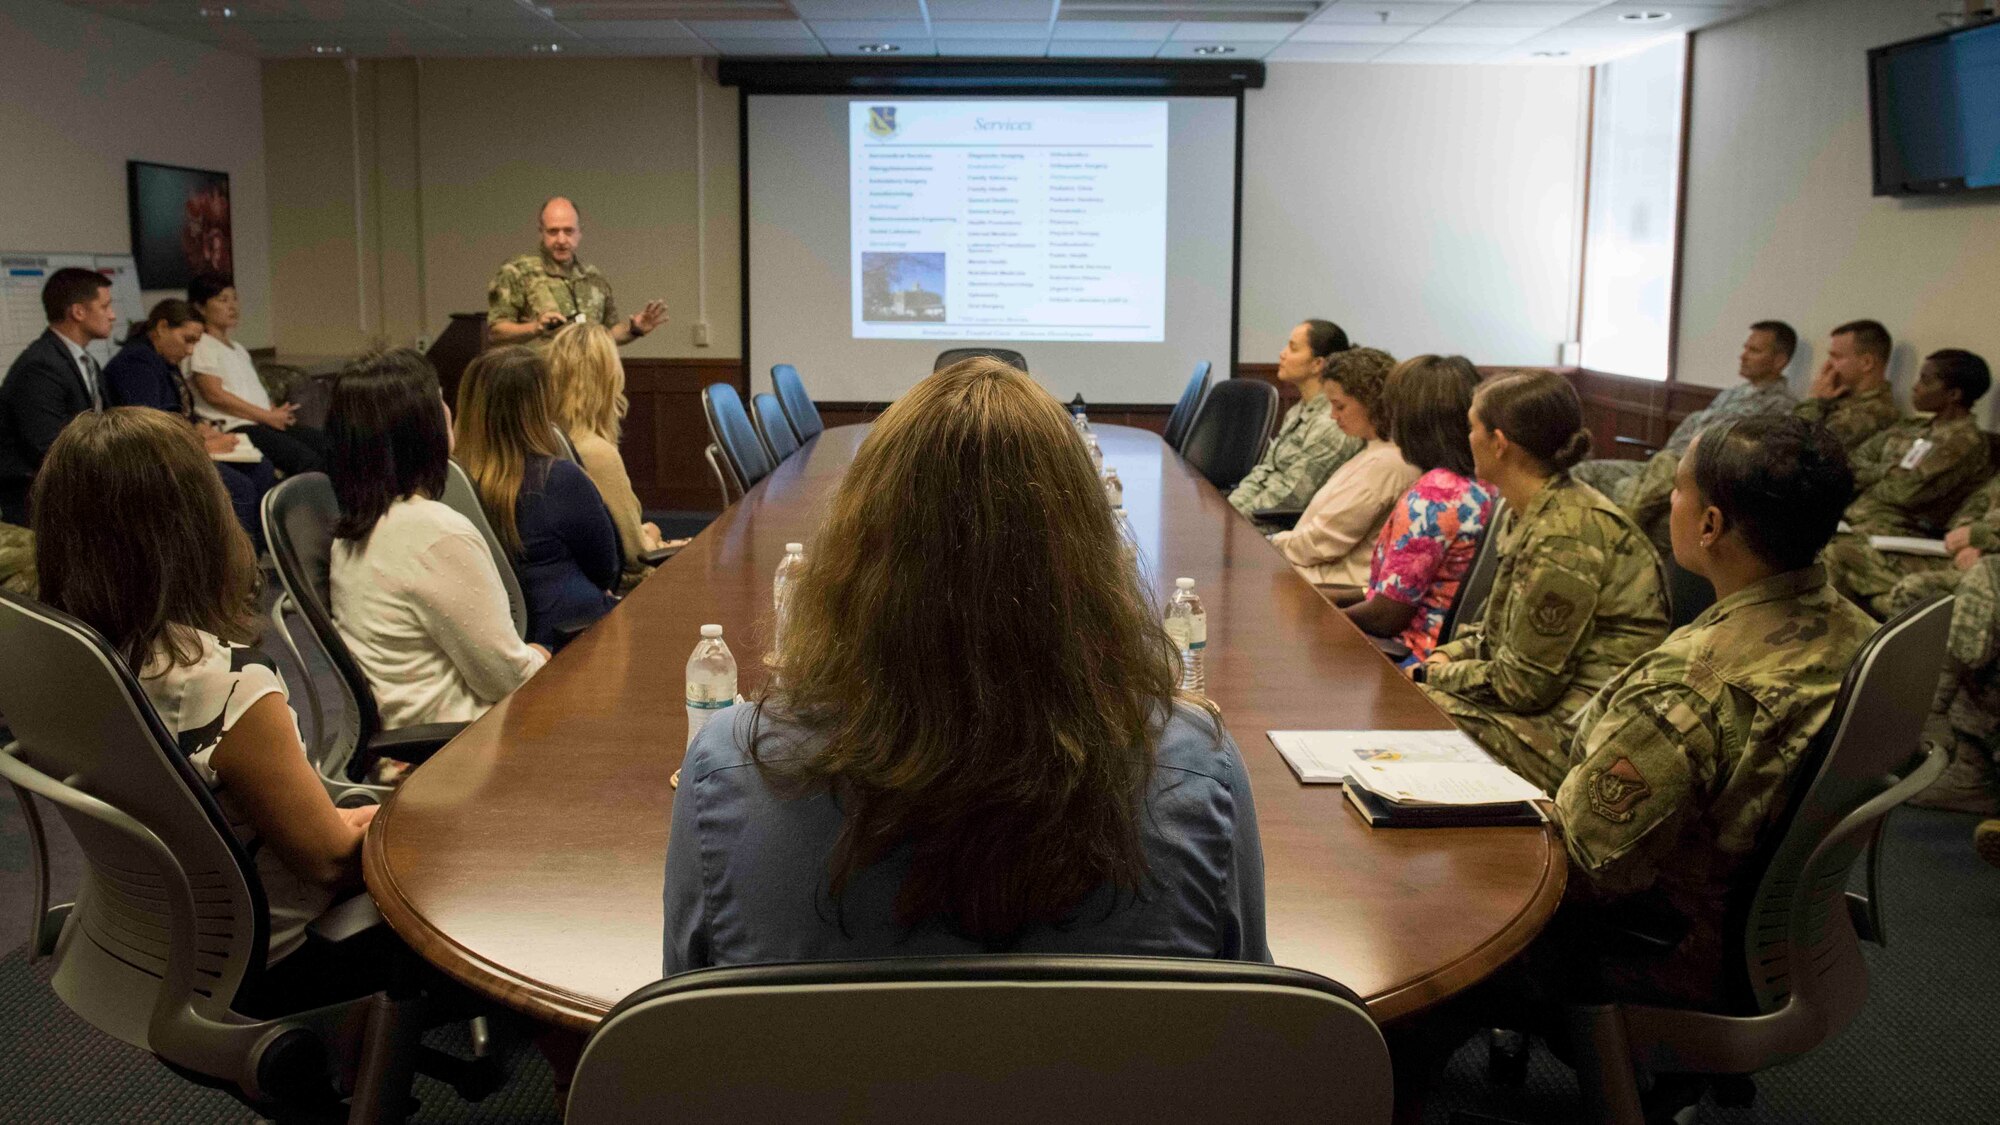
x,y
1008,220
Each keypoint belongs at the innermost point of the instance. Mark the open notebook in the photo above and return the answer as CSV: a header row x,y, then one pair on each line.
x,y
1412,778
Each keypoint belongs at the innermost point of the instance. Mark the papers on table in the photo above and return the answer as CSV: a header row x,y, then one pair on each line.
x,y
1909,545
1443,783
1328,756
244,453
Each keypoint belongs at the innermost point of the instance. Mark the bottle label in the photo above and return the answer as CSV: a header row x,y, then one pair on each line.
x,y
707,704
1197,631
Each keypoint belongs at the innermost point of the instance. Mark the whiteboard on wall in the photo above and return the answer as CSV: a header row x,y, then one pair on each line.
x,y
24,272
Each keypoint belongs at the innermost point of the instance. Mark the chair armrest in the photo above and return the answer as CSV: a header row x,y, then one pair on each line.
x,y
413,744
1391,647
1632,443
345,920
1278,517
655,558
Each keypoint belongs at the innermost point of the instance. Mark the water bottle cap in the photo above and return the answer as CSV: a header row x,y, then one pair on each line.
x,y
795,548
711,630
1184,583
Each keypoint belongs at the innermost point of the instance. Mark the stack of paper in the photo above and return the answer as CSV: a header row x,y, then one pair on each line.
x,y
1442,794
1909,545
1328,756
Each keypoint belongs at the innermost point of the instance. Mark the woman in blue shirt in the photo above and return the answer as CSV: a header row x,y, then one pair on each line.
x,y
974,742
543,507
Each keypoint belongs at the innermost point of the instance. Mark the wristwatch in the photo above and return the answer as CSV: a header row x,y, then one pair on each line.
x,y
632,323
1419,673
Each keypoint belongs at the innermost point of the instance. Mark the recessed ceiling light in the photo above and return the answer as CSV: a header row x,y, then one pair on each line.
x,y
328,49
1550,54
546,48
1215,49
1645,17
878,48
215,13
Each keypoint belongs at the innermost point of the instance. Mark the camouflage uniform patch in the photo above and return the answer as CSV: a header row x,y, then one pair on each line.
x,y
532,286
17,561
1309,447
1853,418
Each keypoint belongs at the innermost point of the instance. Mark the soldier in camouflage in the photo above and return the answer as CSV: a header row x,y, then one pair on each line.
x,y
535,295
1641,486
1913,478
1309,445
1851,394
1686,759
17,561
1577,596
1965,714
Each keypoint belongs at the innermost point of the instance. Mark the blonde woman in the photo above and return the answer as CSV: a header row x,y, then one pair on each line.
x,y
587,395
544,509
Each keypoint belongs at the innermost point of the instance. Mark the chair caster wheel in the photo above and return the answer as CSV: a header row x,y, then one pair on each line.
x,y
1507,1058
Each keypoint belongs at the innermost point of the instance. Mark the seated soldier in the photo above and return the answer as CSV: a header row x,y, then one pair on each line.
x,y
1309,444
1577,594
1685,761
1761,366
1851,394
1912,477
1965,713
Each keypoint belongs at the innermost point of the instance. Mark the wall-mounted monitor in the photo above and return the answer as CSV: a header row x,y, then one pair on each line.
x,y
180,223
1934,105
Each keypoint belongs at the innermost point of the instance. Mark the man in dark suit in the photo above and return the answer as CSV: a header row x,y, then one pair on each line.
x,y
52,381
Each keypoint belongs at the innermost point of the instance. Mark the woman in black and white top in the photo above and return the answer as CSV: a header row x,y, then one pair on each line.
x,y
180,613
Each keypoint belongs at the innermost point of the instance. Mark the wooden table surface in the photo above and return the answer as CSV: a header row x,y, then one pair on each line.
x,y
526,858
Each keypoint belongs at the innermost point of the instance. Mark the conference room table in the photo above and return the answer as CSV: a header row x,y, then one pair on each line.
x,y
526,858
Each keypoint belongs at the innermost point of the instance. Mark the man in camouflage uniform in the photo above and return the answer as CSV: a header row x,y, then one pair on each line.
x,y
1851,394
17,560
1685,760
1965,714
1310,445
535,295
1639,485
1577,596
1913,477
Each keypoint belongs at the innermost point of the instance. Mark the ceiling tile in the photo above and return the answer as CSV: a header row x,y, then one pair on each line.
x,y
1386,12
912,47
1295,51
1515,15
766,47
991,9
1439,34
1680,17
749,29
1434,53
991,29
1239,49
992,48
870,29
1353,33
628,29
859,9
1156,31
1102,49
1206,31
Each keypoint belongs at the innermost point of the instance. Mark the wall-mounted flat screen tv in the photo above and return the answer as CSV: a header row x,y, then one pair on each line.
x,y
180,223
1934,104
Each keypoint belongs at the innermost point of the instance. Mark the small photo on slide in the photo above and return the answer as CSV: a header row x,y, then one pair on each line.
x,y
900,286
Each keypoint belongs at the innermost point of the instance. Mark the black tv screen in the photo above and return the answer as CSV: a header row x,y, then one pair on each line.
x,y
1935,107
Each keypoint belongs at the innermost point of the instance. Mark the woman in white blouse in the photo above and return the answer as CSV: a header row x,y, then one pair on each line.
x,y
228,391
1334,540
416,595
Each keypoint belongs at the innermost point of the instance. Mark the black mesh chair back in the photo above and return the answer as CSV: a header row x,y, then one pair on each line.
x,y
1227,435
728,423
299,515
1470,604
1688,593
1187,407
798,405
779,441
1008,356
1054,1040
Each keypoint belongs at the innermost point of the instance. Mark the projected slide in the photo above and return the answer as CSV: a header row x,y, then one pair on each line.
x,y
1008,220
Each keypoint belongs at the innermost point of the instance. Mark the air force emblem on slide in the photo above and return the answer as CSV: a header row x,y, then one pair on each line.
x,y
882,121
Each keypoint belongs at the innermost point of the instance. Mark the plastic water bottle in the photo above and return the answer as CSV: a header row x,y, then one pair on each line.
x,y
711,682
1114,489
1082,422
1187,624
781,588
1096,451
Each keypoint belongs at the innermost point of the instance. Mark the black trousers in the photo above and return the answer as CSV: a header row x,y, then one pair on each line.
x,y
299,449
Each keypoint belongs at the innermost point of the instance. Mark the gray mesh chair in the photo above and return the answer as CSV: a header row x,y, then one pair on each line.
x,y
797,404
723,483
1227,436
299,516
1802,928
1053,1040
1470,605
769,413
1188,406
565,448
1008,356
170,928
735,438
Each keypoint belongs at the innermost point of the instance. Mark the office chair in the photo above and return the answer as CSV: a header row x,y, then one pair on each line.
x,y
798,405
170,929
1008,356
1054,1040
735,438
565,448
1227,436
299,515
1470,605
1802,929
1188,406
769,413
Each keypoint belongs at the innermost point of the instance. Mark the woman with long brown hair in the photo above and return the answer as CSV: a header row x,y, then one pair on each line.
x,y
587,396
976,742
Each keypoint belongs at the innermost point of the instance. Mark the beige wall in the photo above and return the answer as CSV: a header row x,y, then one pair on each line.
x,y
84,95
1424,208
1780,222
456,155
